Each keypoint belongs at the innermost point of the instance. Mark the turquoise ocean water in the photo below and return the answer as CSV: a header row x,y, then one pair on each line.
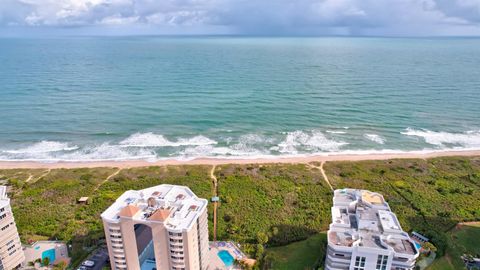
x,y
82,99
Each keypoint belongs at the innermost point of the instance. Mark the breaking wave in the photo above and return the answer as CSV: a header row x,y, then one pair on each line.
x,y
375,138
467,139
43,147
300,141
101,152
336,132
150,146
150,139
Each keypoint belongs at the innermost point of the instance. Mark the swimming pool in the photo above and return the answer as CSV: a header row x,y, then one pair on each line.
x,y
226,257
149,264
418,245
50,253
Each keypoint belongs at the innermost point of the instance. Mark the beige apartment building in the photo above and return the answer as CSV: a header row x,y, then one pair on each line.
x,y
11,253
162,227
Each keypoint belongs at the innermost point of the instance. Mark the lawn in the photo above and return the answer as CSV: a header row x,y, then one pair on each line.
x,y
463,239
299,255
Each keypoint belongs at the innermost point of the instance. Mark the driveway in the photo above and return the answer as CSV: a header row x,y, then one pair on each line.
x,y
100,257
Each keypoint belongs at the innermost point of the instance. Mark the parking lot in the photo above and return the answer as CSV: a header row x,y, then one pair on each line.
x,y
99,257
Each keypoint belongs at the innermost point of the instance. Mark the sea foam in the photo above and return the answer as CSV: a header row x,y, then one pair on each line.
x,y
375,138
336,132
298,141
467,139
43,147
107,151
150,139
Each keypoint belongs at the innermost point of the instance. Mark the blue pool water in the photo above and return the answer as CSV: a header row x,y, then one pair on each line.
x,y
418,245
50,253
149,265
226,257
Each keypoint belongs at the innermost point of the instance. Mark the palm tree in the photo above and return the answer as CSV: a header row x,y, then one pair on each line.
x,y
62,265
46,261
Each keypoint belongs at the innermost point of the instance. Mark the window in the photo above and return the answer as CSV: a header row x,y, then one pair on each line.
x,y
382,262
176,241
11,253
11,247
359,263
5,227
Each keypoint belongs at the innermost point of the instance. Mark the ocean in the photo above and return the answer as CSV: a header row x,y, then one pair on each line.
x,y
154,98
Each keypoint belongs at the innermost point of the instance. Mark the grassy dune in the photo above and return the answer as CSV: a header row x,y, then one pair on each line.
x,y
284,203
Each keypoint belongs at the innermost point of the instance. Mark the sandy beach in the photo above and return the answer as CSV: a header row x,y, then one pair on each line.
x,y
219,161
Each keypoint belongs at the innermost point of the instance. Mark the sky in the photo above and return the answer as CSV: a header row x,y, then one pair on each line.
x,y
241,17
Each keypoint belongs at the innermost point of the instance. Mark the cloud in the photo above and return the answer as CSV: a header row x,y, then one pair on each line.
x,y
300,17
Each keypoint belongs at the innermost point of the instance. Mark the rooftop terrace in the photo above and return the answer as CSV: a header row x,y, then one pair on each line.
x,y
363,218
4,200
175,206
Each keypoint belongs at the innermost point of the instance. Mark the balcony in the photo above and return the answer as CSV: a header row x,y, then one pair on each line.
x,y
176,248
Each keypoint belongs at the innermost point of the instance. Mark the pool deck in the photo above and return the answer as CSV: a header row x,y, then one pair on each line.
x,y
34,251
215,262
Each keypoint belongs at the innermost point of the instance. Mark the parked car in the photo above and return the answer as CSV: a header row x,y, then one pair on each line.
x,y
88,263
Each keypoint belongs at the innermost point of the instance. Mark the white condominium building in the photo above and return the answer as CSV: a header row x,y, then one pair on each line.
x,y
11,253
162,227
366,235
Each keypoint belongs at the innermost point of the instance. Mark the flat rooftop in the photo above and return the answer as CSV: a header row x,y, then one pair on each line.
x,y
177,207
364,218
4,200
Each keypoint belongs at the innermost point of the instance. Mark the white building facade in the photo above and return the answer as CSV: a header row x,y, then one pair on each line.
x,y
366,235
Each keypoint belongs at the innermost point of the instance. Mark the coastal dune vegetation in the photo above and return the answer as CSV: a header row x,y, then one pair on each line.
x,y
266,208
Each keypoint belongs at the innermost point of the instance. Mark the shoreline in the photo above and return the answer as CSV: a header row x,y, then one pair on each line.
x,y
223,161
